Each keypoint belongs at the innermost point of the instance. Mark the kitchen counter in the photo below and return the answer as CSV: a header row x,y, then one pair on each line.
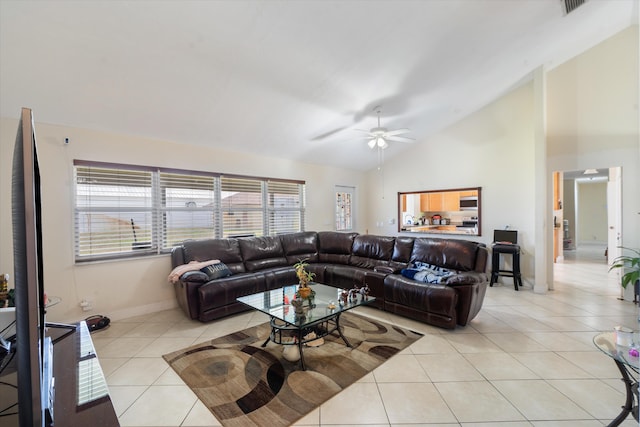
x,y
439,229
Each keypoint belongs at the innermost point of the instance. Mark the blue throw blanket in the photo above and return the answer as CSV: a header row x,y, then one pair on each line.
x,y
427,273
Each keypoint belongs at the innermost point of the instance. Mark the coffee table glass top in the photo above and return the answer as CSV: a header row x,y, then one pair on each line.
x,y
276,303
606,342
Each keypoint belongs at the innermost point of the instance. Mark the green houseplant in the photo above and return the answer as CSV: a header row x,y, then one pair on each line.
x,y
630,263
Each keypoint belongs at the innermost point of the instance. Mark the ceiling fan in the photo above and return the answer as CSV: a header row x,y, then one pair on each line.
x,y
380,137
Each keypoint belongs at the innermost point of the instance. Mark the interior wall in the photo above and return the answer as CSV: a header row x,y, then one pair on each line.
x,y
593,121
134,286
592,212
569,210
492,148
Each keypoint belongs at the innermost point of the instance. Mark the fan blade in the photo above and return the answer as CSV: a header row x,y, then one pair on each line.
x,y
365,131
400,139
397,132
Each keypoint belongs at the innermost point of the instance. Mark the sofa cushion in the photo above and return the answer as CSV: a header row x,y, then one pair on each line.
x,y
225,250
262,252
370,251
449,253
335,247
300,246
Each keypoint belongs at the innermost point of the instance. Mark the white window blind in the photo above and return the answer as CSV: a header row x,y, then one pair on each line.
x,y
242,207
125,211
285,202
114,211
188,207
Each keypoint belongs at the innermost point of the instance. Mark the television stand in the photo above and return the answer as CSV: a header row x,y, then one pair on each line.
x,y
81,396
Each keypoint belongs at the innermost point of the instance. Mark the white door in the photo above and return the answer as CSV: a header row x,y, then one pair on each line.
x,y
345,202
614,218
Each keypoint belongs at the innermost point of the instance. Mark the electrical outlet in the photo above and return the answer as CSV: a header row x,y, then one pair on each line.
x,y
86,305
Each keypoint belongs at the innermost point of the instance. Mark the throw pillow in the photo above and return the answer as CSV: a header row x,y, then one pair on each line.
x,y
216,271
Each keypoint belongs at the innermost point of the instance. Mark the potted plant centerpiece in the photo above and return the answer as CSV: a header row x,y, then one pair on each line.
x,y
305,278
632,266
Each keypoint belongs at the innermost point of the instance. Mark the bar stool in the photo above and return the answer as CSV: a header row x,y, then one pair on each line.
x,y
505,243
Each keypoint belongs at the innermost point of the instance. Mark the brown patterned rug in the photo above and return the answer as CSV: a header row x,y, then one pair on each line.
x,y
244,384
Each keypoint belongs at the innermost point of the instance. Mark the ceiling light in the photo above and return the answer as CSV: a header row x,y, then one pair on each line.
x,y
590,171
372,143
381,142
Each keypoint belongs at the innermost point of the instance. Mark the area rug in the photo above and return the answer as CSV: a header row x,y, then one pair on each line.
x,y
244,384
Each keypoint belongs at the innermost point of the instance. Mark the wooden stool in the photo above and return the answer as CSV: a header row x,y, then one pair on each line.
x,y
514,250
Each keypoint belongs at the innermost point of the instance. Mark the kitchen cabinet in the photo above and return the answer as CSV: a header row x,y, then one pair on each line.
x,y
440,202
435,202
451,201
425,205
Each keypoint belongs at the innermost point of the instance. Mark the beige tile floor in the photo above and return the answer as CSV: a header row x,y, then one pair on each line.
x,y
526,360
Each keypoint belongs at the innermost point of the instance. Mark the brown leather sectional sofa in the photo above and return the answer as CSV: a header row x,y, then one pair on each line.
x,y
342,260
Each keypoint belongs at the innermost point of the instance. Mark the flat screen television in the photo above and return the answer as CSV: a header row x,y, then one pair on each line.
x,y
33,349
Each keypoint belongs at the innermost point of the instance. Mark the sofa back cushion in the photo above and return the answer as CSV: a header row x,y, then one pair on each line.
x,y
402,250
335,247
262,252
226,250
300,246
370,251
448,253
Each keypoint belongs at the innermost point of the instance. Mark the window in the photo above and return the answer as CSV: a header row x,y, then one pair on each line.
x,y
285,200
344,208
123,211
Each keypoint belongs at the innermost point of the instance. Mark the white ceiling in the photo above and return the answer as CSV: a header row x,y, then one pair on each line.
x,y
282,78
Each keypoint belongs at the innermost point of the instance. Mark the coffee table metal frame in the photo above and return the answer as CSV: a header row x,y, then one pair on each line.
x,y
628,367
316,317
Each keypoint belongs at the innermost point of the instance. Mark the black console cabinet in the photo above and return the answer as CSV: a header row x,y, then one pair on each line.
x,y
81,393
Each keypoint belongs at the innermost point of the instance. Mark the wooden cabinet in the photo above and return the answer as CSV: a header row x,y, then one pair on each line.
x,y
424,202
447,201
451,201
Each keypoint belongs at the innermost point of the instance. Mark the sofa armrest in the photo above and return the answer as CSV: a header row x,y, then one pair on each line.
x,y
466,278
195,277
383,269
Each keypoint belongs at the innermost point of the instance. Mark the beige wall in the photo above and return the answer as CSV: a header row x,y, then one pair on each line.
x,y
135,286
592,212
592,118
493,149
592,122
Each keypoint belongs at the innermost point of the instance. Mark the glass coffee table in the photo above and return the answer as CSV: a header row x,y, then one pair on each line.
x,y
320,315
628,366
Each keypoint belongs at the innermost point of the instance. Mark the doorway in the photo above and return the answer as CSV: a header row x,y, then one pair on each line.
x,y
587,227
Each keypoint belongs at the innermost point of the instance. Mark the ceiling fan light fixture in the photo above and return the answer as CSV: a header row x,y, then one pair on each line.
x,y
590,171
372,143
381,142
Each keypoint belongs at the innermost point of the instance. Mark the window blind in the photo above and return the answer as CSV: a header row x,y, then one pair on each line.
x,y
242,207
285,207
124,211
113,211
188,207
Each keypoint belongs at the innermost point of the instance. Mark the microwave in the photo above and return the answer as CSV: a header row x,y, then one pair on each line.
x,y
469,203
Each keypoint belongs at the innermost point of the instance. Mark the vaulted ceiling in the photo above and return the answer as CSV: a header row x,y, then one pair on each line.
x,y
283,78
